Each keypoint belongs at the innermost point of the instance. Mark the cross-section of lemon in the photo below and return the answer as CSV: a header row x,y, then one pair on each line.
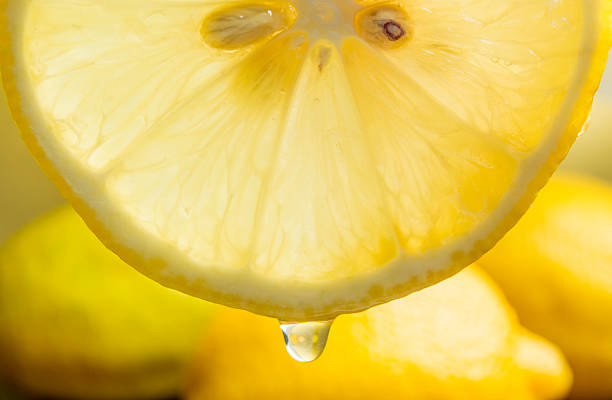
x,y
301,159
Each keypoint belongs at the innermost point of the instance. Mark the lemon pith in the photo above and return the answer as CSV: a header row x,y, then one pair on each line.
x,y
311,172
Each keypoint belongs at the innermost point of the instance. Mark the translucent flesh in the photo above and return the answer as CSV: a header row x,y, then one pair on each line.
x,y
300,159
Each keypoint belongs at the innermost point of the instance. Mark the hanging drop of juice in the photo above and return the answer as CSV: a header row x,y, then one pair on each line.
x,y
305,341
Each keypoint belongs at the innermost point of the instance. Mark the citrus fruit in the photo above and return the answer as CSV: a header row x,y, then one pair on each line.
x,y
77,322
456,340
301,159
556,268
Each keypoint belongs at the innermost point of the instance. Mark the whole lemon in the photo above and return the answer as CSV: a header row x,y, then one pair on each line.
x,y
456,340
76,322
555,267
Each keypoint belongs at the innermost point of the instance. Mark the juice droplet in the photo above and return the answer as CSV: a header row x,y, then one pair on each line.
x,y
305,341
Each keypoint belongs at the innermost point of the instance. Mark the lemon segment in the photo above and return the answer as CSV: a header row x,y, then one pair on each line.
x,y
208,204
300,164
315,224
465,171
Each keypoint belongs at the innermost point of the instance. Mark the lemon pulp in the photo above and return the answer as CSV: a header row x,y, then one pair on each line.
x,y
301,159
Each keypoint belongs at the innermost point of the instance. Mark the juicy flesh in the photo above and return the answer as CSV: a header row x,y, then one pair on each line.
x,y
309,149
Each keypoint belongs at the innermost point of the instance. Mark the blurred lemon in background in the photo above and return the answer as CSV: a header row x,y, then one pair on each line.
x,y
456,340
555,267
77,322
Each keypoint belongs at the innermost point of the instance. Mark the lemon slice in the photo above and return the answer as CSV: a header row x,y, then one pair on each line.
x,y
301,159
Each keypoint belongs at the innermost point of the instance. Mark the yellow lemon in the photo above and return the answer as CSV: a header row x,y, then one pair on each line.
x,y
304,158
456,340
76,322
556,268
